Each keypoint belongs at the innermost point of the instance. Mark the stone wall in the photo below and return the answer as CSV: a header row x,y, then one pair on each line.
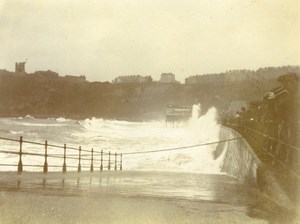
x,y
239,159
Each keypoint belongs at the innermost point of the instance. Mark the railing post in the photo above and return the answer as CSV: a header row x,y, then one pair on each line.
x,y
121,162
20,164
65,165
92,158
115,161
101,165
109,160
79,159
46,163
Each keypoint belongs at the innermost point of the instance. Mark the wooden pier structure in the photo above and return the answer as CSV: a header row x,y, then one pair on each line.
x,y
175,113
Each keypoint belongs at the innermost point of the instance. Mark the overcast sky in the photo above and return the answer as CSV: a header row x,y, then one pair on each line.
x,y
103,39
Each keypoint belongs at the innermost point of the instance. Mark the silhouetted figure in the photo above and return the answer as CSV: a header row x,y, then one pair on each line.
x,y
287,109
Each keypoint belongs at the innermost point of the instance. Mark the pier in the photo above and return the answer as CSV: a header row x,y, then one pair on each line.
x,y
176,113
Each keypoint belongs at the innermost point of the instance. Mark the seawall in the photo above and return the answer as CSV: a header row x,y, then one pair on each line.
x,y
241,162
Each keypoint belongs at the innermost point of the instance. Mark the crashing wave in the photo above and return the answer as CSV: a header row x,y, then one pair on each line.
x,y
62,119
29,116
124,136
15,132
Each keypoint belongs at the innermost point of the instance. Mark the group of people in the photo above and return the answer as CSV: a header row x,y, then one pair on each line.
x,y
276,117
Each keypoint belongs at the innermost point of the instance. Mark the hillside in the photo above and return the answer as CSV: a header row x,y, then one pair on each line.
x,y
55,96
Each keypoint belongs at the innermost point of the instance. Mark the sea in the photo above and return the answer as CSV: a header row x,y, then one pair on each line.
x,y
158,160
121,137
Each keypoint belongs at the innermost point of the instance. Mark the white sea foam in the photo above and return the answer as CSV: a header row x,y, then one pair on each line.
x,y
41,124
123,136
201,129
29,116
62,119
16,132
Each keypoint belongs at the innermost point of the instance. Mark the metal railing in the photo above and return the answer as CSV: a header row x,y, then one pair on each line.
x,y
269,146
108,161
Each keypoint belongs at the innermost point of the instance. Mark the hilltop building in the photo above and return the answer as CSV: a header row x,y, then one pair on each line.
x,y
167,78
46,74
206,79
73,78
256,78
20,67
227,77
132,79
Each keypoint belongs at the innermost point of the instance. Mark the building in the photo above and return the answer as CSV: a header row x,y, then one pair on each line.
x,y
260,78
46,74
132,79
20,67
220,78
178,113
73,78
167,78
207,79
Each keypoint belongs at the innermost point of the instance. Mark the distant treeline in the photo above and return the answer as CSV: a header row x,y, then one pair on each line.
x,y
47,96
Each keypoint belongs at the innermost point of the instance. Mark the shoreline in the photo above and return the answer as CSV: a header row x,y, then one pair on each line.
x,y
80,118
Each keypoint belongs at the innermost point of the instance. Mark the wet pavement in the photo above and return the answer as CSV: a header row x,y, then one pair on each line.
x,y
133,197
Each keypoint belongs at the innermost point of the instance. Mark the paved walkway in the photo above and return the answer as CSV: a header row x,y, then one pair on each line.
x,y
131,197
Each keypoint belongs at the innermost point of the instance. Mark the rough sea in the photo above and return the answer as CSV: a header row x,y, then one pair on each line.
x,y
117,137
191,174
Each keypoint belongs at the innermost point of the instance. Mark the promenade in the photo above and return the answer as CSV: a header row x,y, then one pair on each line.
x,y
96,195
128,197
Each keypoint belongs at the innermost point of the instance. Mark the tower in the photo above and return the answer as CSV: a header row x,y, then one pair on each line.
x,y
20,67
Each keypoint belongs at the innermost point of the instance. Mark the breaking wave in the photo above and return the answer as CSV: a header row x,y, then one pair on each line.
x,y
127,137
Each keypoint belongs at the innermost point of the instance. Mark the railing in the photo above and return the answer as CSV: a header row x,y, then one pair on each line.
x,y
62,155
269,144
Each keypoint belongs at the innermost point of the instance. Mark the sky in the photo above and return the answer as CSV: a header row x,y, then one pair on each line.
x,y
103,39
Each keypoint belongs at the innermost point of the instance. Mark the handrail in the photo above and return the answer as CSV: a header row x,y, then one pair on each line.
x,y
113,158
9,139
272,138
182,147
272,142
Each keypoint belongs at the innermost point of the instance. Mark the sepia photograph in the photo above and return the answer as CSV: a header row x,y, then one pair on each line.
x,y
149,112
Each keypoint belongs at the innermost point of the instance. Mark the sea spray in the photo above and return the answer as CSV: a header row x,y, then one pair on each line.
x,y
200,129
122,137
